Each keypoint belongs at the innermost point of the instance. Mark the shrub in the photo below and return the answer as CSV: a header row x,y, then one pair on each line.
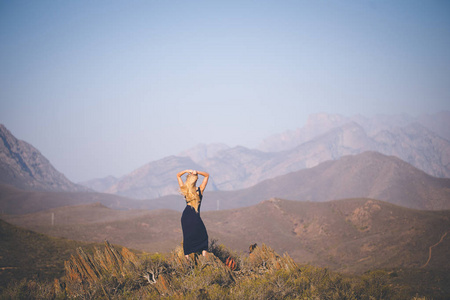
x,y
112,274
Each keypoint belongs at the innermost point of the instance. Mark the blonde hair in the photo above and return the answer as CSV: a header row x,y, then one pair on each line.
x,y
189,191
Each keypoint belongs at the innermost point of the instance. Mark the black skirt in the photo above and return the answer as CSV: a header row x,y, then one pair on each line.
x,y
195,237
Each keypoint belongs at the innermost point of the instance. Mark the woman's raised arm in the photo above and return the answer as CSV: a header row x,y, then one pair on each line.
x,y
205,180
180,181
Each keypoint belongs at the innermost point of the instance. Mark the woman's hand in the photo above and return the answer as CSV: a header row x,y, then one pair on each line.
x,y
180,181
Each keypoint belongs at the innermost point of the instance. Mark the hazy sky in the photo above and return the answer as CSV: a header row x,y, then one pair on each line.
x,y
104,87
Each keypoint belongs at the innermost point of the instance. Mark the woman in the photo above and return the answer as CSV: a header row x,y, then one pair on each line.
x,y
195,237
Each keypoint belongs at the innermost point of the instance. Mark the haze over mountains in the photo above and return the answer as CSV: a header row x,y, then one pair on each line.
x,y
318,124
331,165
424,142
366,175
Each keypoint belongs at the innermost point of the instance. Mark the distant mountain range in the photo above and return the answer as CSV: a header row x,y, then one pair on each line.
x,y
353,235
243,177
366,175
423,142
321,123
23,166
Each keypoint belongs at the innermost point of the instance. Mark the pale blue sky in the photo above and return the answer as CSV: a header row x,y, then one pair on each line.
x,y
103,87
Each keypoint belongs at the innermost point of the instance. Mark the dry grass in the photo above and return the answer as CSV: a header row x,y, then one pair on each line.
x,y
110,272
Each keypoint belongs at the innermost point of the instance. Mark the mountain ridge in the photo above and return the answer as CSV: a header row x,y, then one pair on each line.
x,y
368,175
324,137
23,166
238,168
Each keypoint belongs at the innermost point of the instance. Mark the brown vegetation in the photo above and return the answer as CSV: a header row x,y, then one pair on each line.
x,y
263,274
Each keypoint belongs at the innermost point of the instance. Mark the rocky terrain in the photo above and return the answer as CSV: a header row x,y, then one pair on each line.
x,y
23,166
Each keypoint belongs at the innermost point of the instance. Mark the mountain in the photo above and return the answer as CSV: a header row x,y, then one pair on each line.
x,y
418,146
368,175
413,143
365,175
231,168
318,124
100,184
203,151
239,167
353,235
439,123
325,137
23,166
155,179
